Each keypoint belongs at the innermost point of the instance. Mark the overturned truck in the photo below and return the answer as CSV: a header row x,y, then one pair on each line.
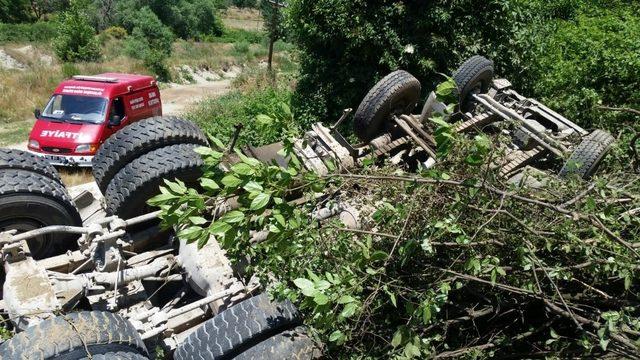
x,y
89,273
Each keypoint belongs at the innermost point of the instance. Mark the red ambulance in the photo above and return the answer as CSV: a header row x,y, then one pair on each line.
x,y
85,110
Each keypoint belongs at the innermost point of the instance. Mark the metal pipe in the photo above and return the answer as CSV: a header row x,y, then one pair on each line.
x,y
200,303
407,129
142,218
46,231
508,114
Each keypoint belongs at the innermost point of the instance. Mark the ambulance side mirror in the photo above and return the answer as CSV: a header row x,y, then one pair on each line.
x,y
37,113
115,120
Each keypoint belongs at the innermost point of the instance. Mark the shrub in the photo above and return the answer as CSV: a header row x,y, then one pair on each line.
x,y
219,115
238,35
76,40
343,55
151,42
449,263
187,19
590,61
245,3
116,32
37,32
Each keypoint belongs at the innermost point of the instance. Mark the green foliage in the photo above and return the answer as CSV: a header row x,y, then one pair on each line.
x,y
36,32
76,40
69,70
187,19
273,16
15,11
244,3
451,262
590,61
219,115
150,41
238,35
116,32
571,53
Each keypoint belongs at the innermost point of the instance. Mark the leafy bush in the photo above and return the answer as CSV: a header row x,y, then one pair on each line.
x,y
187,19
150,41
218,116
116,32
15,11
244,3
76,40
588,62
448,263
542,46
37,32
238,35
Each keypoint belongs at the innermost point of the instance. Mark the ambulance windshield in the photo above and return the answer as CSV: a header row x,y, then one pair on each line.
x,y
76,108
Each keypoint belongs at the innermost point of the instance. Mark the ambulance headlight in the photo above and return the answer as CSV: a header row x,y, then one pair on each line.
x,y
86,148
34,144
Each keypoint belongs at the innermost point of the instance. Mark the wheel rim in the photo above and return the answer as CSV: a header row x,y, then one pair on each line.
x,y
40,245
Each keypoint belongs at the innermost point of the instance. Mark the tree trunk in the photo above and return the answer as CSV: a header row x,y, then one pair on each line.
x,y
270,61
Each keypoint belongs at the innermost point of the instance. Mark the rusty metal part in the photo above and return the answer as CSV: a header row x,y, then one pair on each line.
x,y
27,293
409,131
521,159
476,122
345,113
508,114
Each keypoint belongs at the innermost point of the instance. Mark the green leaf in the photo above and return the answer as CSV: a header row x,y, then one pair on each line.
x,y
320,298
231,181
426,313
345,299
253,186
204,150
397,338
336,336
264,120
209,184
217,142
260,202
349,310
392,296
190,233
176,187
280,219
161,199
233,217
243,169
197,220
219,228
303,283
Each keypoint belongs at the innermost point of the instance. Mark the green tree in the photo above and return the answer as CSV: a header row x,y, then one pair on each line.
x,y
14,11
273,23
76,39
150,41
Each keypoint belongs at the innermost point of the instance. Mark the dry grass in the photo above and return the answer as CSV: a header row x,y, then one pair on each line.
x,y
245,19
75,176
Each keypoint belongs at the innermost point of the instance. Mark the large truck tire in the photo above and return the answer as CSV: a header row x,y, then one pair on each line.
x,y
128,191
396,94
289,344
80,335
238,328
138,139
474,76
587,156
22,160
31,201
